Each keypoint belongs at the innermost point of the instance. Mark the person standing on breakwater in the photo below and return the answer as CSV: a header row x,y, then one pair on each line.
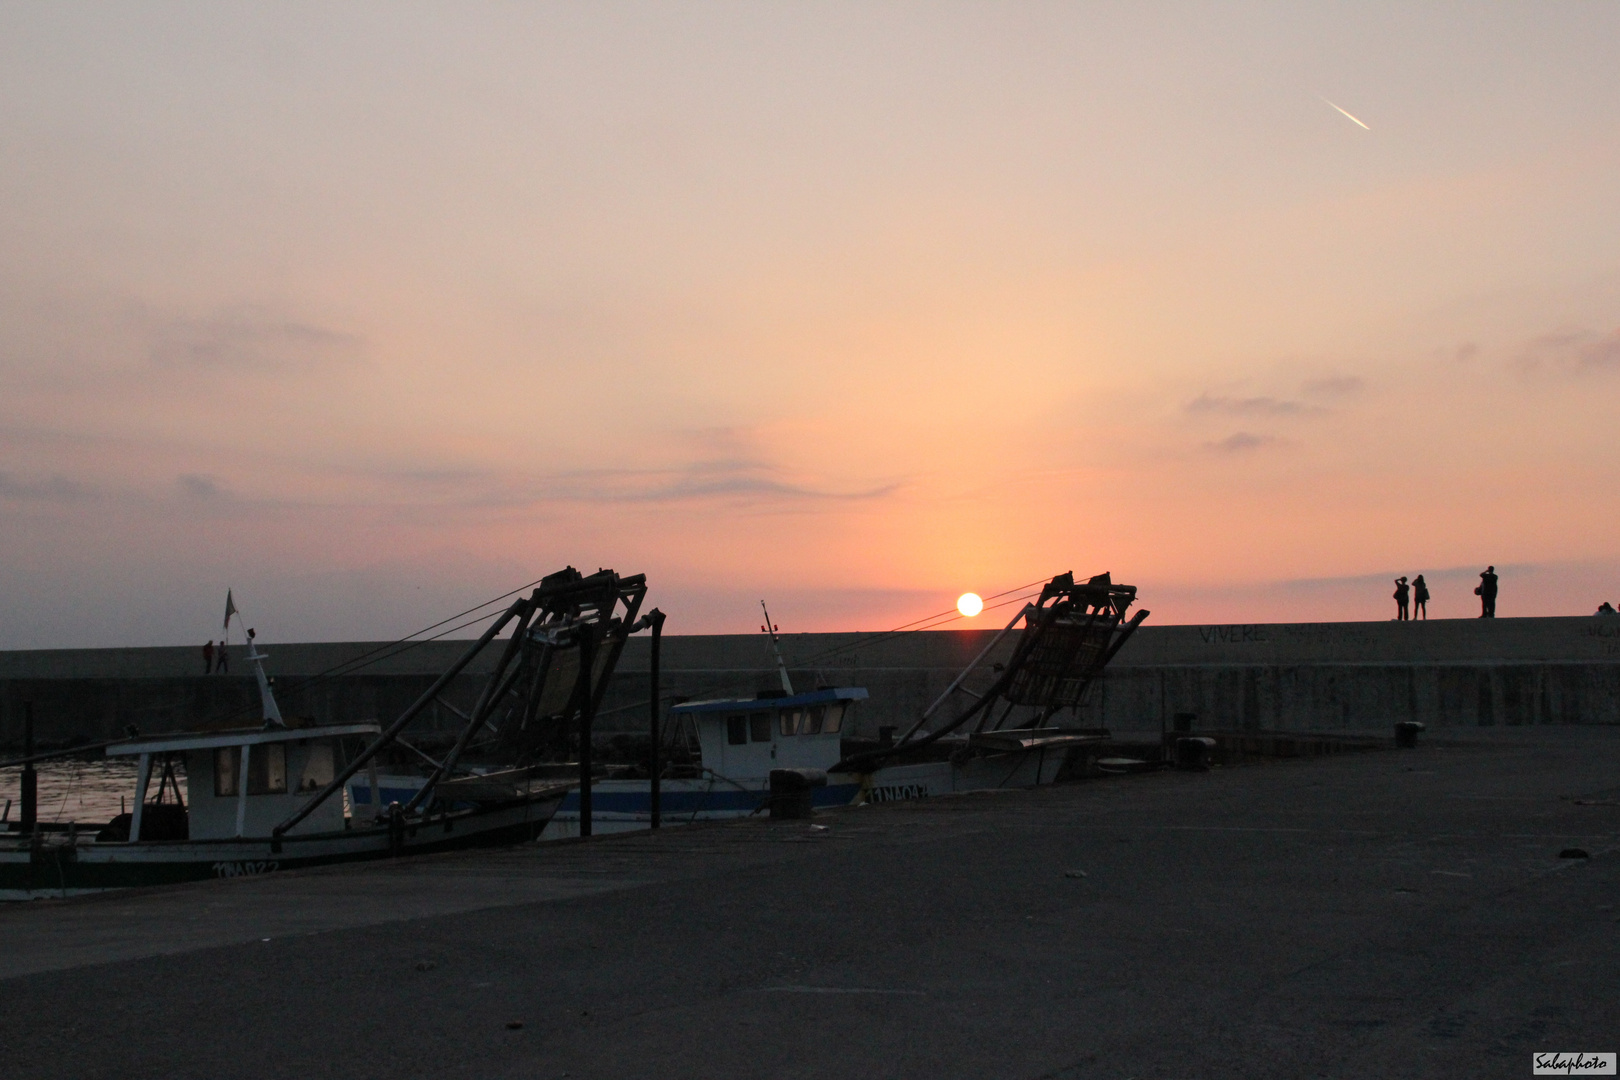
x,y
1420,598
1486,591
1402,591
208,657
224,664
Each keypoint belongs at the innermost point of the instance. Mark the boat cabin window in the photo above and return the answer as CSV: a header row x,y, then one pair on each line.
x,y
318,771
759,727
736,730
267,769
816,720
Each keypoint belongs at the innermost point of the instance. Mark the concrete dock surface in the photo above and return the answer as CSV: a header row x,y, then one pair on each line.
x,y
1378,914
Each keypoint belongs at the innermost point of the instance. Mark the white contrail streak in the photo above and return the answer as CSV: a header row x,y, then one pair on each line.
x,y
1352,119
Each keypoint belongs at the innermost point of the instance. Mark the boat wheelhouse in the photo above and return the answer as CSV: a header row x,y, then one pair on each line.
x,y
744,739
239,783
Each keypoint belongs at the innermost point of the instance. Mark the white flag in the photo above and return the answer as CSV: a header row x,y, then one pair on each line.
x,y
230,608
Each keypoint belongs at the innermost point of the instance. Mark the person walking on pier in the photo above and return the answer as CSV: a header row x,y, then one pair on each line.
x,y
224,664
208,657
1420,598
1486,591
1402,592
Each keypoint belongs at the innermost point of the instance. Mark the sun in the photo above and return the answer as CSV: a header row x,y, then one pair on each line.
x,y
969,604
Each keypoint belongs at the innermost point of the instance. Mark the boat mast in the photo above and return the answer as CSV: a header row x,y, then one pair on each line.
x,y
781,667
272,712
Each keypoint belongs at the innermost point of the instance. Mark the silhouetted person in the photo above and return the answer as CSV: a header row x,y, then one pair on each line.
x,y
1486,591
224,664
1420,598
208,657
1402,593
1607,608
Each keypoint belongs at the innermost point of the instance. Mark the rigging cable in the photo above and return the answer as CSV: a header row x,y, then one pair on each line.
x,y
380,653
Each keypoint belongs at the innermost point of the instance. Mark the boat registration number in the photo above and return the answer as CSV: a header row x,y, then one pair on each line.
x,y
245,869
897,793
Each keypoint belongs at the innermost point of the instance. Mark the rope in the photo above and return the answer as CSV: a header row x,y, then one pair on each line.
x,y
410,641
927,622
400,646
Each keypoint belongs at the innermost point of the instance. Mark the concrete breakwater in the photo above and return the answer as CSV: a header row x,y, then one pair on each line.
x,y
1288,676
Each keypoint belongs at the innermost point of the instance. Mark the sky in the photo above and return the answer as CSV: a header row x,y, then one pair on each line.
x,y
370,312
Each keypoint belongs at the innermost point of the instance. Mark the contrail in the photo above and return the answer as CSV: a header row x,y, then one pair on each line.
x,y
1352,119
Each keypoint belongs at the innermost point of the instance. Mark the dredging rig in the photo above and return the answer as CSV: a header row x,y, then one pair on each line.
x,y
1065,638
552,673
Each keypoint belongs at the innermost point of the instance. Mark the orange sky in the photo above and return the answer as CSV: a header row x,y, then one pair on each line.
x,y
371,312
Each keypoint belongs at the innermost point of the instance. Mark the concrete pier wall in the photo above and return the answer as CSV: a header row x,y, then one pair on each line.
x,y
1324,676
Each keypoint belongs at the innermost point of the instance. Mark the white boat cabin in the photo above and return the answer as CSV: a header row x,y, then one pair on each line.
x,y
244,782
744,739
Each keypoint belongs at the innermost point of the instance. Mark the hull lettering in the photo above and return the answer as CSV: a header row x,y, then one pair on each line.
x,y
245,869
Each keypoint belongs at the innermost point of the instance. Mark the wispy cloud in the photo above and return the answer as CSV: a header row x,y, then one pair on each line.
x,y
1249,406
49,489
1458,354
731,474
728,464
197,486
1334,386
1240,442
1573,352
247,338
705,480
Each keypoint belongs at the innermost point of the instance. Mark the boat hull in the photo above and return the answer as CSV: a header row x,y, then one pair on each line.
x,y
626,805
53,867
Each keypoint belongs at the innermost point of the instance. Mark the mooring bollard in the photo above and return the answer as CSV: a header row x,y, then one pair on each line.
x,y
1406,733
1192,753
791,790
396,829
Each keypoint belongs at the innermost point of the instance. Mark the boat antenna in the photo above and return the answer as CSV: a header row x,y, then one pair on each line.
x,y
776,647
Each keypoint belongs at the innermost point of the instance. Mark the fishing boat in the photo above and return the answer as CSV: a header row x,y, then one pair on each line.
x,y
740,742
238,785
747,744
268,798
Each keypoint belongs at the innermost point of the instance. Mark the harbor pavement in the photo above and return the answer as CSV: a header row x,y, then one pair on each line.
x,y
1379,914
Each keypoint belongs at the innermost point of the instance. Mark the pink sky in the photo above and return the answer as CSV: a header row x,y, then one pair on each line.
x,y
371,312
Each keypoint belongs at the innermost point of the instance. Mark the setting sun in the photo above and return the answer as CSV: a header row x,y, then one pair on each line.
x,y
969,604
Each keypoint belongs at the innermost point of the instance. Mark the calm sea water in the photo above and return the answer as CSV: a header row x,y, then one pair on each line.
x,y
88,792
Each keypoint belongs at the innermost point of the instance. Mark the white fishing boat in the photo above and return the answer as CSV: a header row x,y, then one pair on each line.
x,y
256,800
239,785
744,741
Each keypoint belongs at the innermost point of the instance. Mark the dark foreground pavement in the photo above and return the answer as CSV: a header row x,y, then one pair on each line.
x,y
1391,914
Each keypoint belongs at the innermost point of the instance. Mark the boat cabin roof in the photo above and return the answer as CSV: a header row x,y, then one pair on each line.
x,y
786,701
208,740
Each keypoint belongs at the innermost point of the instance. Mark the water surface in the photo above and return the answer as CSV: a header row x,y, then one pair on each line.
x,y
88,792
